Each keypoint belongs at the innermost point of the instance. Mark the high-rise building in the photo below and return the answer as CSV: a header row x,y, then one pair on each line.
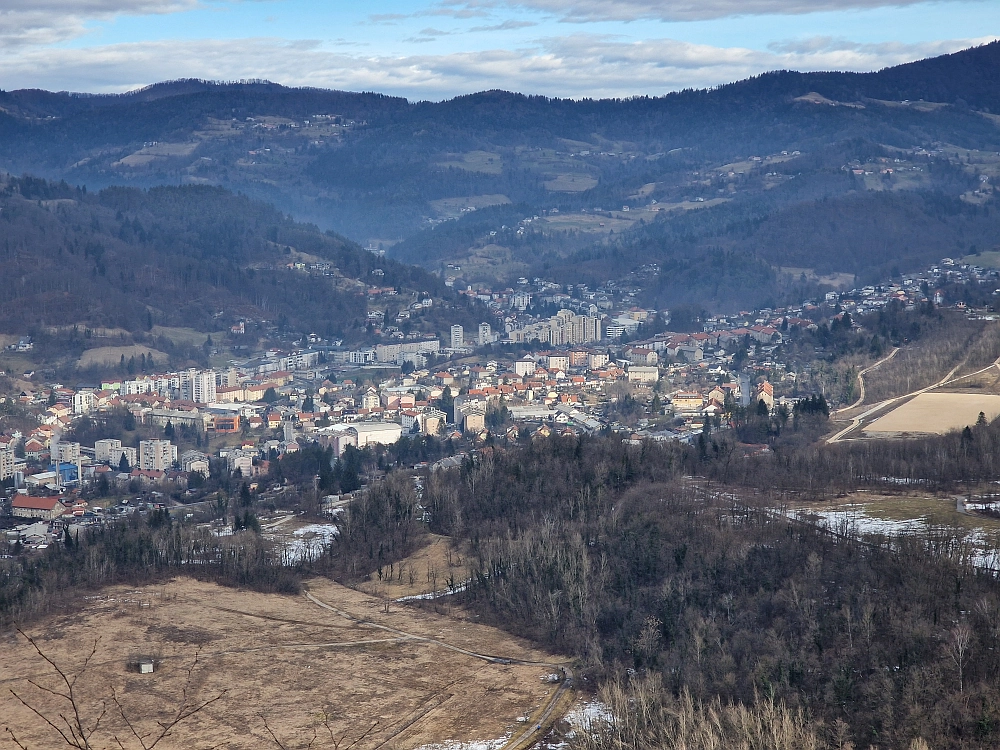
x,y
6,464
485,334
197,386
65,453
457,337
156,455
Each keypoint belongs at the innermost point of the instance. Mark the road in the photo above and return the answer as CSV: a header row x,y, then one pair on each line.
x,y
861,380
856,421
541,721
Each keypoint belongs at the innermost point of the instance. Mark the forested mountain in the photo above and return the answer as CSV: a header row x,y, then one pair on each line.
x,y
770,172
198,257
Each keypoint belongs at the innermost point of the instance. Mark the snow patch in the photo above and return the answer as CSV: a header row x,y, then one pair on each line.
x,y
469,745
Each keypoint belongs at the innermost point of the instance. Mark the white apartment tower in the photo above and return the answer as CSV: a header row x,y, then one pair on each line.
x,y
198,386
457,337
156,455
485,334
6,464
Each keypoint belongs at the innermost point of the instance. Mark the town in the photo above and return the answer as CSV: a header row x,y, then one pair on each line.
x,y
596,364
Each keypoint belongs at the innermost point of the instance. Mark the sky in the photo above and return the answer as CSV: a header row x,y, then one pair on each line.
x,y
438,49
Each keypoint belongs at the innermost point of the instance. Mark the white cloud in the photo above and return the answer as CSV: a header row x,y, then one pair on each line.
x,y
574,66
36,22
581,11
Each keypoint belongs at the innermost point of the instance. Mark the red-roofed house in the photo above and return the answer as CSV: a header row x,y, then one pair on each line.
x,y
45,508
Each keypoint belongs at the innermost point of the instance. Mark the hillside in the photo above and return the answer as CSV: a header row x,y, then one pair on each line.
x,y
393,173
190,257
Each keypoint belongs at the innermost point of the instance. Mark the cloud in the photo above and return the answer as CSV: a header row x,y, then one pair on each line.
x,y
582,11
575,66
505,26
37,22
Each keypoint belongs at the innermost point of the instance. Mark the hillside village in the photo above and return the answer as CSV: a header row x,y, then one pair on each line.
x,y
595,365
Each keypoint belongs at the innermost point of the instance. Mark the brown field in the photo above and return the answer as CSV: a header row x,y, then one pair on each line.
x,y
283,659
182,335
146,156
619,222
475,161
454,206
844,280
111,355
570,183
936,413
423,572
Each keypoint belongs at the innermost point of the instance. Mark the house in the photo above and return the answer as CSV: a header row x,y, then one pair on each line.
x,y
33,448
643,374
687,401
47,508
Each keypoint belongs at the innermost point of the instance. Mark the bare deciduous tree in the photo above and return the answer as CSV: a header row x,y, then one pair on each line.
x,y
958,646
78,730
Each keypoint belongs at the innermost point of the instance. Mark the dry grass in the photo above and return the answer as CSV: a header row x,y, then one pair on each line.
x,y
454,206
111,355
487,162
279,658
645,714
936,413
925,363
570,183
426,570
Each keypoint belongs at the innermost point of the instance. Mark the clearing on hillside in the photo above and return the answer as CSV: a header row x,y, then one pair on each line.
x,y
112,355
935,413
285,660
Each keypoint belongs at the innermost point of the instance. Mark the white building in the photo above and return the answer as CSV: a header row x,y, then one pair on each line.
x,y
457,337
83,402
525,366
195,461
6,464
486,334
65,453
242,461
198,386
643,374
383,433
157,455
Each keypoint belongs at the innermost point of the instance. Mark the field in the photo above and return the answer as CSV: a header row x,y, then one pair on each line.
x,y
453,207
427,570
181,335
111,355
475,161
397,680
936,413
570,183
145,156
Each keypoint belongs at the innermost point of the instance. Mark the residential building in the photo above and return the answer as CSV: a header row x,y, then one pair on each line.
x,y
66,453
525,366
557,362
457,337
6,464
195,461
597,360
197,386
84,402
107,450
644,374
473,421
156,455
